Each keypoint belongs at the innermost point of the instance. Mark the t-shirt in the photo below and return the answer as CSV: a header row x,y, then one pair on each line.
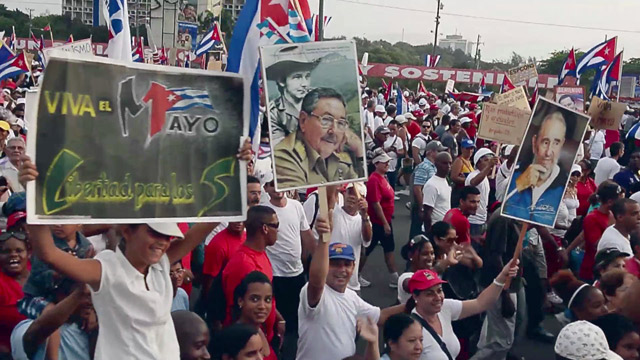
x,y
420,142
460,223
633,266
502,180
347,229
74,343
449,141
605,170
403,295
451,310
612,238
597,145
481,214
219,250
594,225
413,128
180,301
436,193
379,190
396,142
10,293
312,209
244,261
629,181
584,190
286,252
328,330
135,316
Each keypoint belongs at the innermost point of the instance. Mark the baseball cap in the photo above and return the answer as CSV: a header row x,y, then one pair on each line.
x,y
21,101
436,145
473,106
380,108
382,129
380,157
581,340
423,280
434,107
360,187
4,125
169,229
467,143
15,217
409,116
365,96
341,251
465,120
508,149
604,257
481,153
401,119
574,168
418,113
422,102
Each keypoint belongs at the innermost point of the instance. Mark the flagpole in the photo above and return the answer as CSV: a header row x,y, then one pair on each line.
x,y
620,76
321,21
51,34
15,39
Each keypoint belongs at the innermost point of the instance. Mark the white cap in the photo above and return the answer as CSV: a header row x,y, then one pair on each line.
x,y
508,149
405,94
380,108
401,119
168,229
574,168
409,116
359,186
585,341
20,101
20,123
381,157
465,120
422,102
480,153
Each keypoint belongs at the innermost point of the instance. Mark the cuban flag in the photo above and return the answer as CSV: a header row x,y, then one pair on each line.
x,y
568,68
5,52
269,31
604,78
431,61
401,102
182,99
13,67
209,40
466,96
12,40
297,29
506,84
137,55
422,89
598,56
316,26
117,18
388,89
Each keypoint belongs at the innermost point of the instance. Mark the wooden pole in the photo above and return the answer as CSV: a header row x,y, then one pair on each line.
x,y
323,210
518,251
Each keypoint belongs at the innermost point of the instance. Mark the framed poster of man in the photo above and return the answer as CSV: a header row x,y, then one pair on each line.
x,y
571,97
544,160
315,124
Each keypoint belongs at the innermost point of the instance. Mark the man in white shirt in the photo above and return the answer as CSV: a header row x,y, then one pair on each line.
x,y
627,215
436,198
328,309
352,226
607,167
395,148
485,161
9,165
377,121
597,145
419,143
368,116
504,171
295,242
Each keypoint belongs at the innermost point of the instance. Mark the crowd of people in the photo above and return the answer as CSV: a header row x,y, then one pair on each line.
x,y
287,282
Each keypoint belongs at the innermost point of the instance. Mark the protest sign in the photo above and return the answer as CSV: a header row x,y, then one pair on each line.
x,y
514,97
570,96
316,135
149,144
80,47
187,36
542,166
504,124
521,74
449,87
606,114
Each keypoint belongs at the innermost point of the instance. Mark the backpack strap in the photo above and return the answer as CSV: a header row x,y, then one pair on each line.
x,y
433,333
315,210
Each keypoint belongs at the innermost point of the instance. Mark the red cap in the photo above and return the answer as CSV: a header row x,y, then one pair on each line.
x,y
418,113
434,107
15,217
473,106
423,280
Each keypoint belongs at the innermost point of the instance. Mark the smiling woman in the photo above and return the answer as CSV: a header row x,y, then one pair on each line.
x,y
13,275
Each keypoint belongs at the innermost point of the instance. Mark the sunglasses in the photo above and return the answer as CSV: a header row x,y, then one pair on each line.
x,y
426,126
10,234
274,225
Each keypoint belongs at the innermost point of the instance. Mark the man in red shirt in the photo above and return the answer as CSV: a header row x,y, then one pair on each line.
x,y
219,251
595,223
459,217
414,122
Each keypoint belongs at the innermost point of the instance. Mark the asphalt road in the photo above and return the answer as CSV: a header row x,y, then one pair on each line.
x,y
380,294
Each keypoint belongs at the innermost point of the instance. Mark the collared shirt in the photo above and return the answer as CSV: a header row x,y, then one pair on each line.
x,y
284,119
10,172
134,310
297,164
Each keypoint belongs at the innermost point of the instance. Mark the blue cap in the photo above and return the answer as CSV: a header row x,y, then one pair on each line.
x,y
467,143
341,251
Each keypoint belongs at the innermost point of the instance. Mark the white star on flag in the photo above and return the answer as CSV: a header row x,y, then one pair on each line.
x,y
606,51
569,61
171,97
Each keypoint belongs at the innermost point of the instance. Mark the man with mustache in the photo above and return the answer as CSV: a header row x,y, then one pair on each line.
x,y
536,190
293,77
313,154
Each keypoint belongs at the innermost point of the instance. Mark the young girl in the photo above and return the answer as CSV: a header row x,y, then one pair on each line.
x,y
131,287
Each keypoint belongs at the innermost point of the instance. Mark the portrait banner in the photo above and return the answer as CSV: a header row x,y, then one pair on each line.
x,y
522,74
149,144
504,124
606,114
570,96
187,36
515,98
543,164
315,125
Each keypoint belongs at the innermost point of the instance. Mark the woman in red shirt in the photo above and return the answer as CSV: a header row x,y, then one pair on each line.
x,y
14,273
585,188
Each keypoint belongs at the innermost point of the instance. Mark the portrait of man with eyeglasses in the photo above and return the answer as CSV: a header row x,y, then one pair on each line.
x,y
323,149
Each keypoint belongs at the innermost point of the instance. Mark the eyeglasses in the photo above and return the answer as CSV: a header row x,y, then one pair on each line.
x,y
326,121
274,225
426,126
10,234
176,272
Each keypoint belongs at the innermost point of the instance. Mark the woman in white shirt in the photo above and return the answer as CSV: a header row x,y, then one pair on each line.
x,y
436,313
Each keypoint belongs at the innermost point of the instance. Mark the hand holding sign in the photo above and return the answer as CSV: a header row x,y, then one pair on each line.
x,y
530,177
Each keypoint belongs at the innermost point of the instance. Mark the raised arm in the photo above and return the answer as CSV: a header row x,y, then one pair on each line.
x,y
489,295
193,237
484,173
319,267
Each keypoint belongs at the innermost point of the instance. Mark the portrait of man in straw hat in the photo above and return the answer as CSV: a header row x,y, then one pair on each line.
x,y
292,74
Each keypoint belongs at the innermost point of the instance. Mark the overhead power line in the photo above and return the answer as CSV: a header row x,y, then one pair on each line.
x,y
494,19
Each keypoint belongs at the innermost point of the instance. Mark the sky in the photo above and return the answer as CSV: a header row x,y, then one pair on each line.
x,y
377,19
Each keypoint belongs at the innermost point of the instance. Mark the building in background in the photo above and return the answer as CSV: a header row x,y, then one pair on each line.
x,y
234,6
90,11
456,42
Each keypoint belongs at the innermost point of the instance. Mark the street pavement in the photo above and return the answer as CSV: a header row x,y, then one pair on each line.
x,y
380,294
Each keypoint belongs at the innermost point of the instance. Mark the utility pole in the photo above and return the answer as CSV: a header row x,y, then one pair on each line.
x,y
435,39
321,20
30,11
477,56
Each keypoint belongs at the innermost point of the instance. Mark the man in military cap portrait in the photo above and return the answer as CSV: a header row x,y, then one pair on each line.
x,y
292,74
323,149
